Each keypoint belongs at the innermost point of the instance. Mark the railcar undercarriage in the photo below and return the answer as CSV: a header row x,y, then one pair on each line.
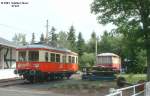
x,y
38,76
98,73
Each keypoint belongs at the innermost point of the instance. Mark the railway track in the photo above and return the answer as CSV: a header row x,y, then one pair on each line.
x,y
11,82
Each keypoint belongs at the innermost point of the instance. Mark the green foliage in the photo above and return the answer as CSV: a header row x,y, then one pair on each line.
x,y
33,38
125,41
42,38
92,43
80,44
133,78
72,38
141,61
132,20
120,11
62,39
19,39
87,59
110,43
53,37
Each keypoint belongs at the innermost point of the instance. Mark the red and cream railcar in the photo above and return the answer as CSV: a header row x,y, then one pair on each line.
x,y
109,61
42,62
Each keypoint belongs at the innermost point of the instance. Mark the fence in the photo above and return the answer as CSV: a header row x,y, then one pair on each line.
x,y
134,90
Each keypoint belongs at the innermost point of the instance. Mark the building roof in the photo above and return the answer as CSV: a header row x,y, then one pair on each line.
x,y
107,54
7,43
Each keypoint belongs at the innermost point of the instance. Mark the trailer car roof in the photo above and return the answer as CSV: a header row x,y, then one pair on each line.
x,y
107,54
45,47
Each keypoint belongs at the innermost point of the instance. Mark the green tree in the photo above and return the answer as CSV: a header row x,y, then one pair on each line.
x,y
62,39
42,38
20,39
80,47
53,37
33,38
80,44
72,38
141,61
87,60
105,43
92,43
110,43
126,14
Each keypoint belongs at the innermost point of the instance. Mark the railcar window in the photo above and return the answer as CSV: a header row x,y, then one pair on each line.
x,y
64,59
69,59
22,56
52,57
46,56
57,57
33,56
73,59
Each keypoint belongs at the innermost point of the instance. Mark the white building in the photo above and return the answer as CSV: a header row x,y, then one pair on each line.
x,y
7,54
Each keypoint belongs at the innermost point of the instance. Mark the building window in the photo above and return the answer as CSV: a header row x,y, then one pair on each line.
x,y
52,57
33,55
22,56
57,57
46,56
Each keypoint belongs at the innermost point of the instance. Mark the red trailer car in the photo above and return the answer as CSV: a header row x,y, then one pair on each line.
x,y
42,62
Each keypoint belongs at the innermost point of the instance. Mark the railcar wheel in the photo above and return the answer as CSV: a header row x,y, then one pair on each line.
x,y
29,78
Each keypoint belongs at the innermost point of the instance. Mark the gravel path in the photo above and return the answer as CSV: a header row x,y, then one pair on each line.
x,y
16,92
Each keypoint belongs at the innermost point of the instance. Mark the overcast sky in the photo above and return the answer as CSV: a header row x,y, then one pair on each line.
x,y
60,13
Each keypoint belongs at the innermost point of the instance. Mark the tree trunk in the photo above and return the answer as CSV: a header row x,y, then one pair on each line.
x,y
148,57
145,21
148,64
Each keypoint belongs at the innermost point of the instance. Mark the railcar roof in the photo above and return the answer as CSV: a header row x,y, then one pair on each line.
x,y
43,46
107,54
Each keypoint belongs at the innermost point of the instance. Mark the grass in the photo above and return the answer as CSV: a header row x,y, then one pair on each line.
x,y
85,84
134,78
82,84
77,84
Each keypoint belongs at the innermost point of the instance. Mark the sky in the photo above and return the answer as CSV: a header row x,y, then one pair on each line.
x,y
31,17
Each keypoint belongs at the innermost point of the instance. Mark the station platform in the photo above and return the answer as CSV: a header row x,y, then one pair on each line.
x,y
7,74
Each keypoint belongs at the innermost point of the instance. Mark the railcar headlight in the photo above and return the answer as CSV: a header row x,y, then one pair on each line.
x,y
36,65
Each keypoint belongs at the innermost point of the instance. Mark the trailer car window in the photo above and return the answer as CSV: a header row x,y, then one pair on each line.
x,y
52,57
33,56
46,56
64,59
57,57
22,56
69,59
73,59
76,60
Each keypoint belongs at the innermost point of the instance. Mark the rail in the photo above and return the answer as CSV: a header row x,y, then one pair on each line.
x,y
119,92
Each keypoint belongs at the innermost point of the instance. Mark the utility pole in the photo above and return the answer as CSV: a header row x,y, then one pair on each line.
x,y
96,51
46,37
